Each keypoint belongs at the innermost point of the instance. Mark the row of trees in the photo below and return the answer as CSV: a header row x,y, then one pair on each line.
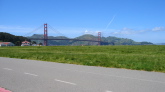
x,y
35,43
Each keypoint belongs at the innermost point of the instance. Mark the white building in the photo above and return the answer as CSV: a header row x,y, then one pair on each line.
x,y
25,43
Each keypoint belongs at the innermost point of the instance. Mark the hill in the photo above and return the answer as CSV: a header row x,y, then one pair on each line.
x,y
160,43
105,40
7,37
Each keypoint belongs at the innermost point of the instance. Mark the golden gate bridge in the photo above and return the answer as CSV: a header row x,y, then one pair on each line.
x,y
45,38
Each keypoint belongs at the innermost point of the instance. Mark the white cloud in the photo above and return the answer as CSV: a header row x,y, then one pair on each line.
x,y
91,32
125,31
16,30
158,29
128,31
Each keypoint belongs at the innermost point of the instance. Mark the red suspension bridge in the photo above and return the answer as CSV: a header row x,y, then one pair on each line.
x,y
45,38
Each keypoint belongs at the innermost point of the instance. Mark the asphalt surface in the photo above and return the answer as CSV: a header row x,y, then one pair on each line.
x,y
19,75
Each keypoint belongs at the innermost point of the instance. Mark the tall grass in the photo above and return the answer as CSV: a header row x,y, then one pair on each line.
x,y
149,58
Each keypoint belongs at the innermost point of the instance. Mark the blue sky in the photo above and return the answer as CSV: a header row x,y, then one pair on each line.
x,y
140,20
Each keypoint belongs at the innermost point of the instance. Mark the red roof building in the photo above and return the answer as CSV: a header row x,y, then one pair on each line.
x,y
6,44
25,43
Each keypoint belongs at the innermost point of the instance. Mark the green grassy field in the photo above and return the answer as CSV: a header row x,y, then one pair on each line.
x,y
149,58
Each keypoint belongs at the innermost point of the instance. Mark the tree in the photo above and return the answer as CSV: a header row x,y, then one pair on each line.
x,y
40,44
34,42
17,43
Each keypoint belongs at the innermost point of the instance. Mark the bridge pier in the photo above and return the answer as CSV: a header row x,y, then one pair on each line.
x,y
99,38
45,39
45,35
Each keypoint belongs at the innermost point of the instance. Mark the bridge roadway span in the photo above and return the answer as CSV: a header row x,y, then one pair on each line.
x,y
19,75
67,39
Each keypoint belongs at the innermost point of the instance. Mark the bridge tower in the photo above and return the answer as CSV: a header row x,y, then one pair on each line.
x,y
45,35
99,38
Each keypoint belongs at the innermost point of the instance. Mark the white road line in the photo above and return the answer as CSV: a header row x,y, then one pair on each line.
x,y
8,69
65,82
124,77
108,91
30,74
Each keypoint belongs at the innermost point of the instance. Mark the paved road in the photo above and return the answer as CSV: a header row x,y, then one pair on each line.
x,y
18,75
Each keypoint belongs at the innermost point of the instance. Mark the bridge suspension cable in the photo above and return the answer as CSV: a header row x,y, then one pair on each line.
x,y
67,39
56,31
33,31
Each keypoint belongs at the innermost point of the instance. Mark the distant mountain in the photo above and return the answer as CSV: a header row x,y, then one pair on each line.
x,y
160,43
105,40
36,36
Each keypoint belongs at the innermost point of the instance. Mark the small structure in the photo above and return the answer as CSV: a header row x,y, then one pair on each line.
x,y
25,43
6,44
